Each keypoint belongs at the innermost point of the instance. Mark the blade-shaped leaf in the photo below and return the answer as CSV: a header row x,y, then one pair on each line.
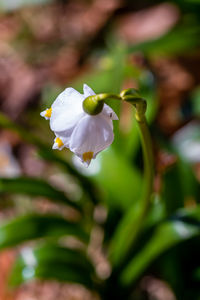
x,y
35,226
34,187
173,197
51,261
184,226
48,154
179,39
120,180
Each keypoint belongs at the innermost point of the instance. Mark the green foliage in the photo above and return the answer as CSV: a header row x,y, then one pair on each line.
x,y
134,247
53,262
30,227
166,235
116,168
114,178
196,101
33,187
178,40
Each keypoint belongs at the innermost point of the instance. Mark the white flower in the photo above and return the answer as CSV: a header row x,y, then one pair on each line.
x,y
83,134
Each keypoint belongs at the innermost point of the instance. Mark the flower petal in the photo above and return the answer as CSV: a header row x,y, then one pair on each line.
x,y
64,121
68,97
46,113
60,142
107,119
65,136
107,110
91,135
84,134
66,110
87,91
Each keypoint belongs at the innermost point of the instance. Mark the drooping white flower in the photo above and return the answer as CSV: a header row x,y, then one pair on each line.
x,y
83,134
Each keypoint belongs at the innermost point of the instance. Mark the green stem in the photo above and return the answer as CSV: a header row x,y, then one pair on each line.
x,y
148,166
145,137
94,105
131,224
140,109
105,96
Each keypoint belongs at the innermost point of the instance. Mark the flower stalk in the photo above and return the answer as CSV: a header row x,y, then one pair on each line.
x,y
131,96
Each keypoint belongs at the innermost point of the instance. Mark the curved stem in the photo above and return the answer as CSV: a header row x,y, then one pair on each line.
x,y
148,164
94,104
145,137
105,96
140,109
131,96
131,224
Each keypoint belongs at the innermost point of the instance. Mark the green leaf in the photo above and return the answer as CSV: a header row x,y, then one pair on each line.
x,y
50,155
51,261
183,227
121,182
189,181
33,187
179,39
172,197
196,101
25,134
87,185
122,237
35,226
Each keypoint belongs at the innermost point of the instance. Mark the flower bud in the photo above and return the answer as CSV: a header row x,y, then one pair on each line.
x,y
92,106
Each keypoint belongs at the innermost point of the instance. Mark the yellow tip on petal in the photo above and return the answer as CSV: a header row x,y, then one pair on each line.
x,y
59,142
48,112
87,156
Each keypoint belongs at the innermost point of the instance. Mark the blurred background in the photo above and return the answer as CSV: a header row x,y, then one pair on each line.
x,y
153,46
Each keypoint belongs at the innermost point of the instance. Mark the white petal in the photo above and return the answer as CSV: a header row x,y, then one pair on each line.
x,y
68,97
86,163
107,119
87,91
66,110
92,134
65,136
55,146
43,114
107,110
64,121
60,142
